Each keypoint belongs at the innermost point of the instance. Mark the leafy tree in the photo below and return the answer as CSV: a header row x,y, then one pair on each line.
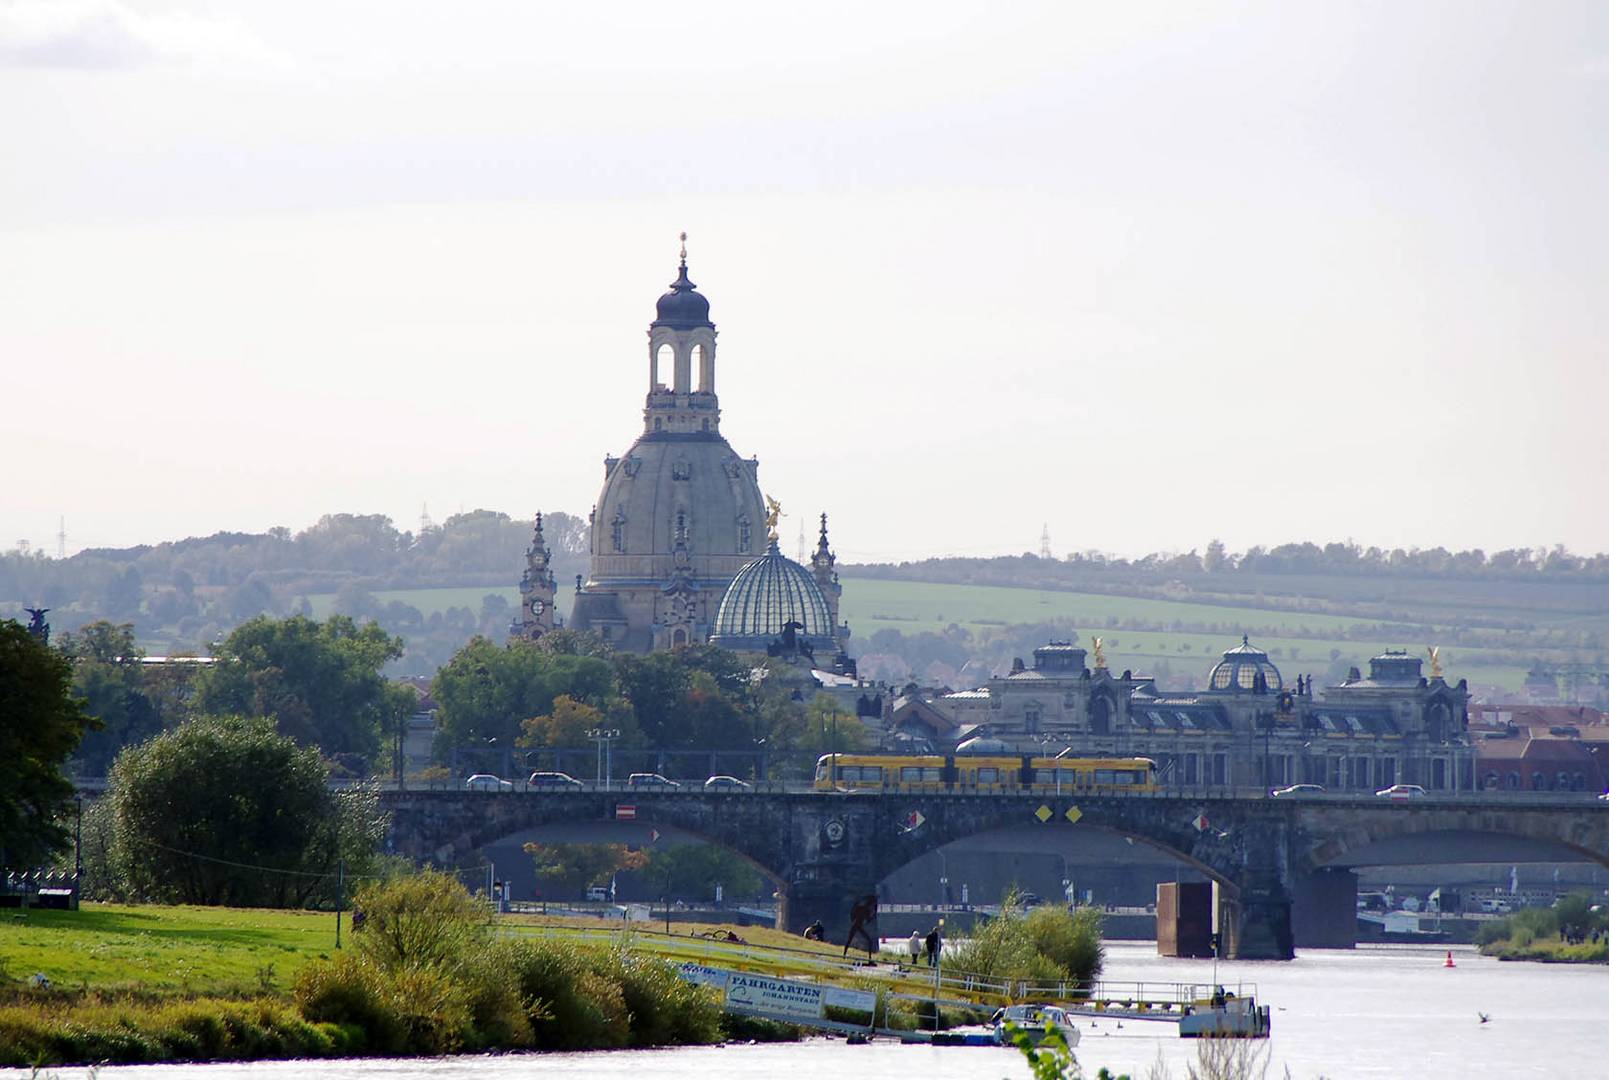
x,y
108,675
568,722
693,870
573,867
226,810
41,723
320,682
486,691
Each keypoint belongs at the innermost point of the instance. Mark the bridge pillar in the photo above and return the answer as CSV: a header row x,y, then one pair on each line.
x,y
1325,911
1256,925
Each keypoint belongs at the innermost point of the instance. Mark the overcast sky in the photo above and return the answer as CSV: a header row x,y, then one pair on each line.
x,y
1148,274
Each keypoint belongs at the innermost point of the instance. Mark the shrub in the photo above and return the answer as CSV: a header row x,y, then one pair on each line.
x,y
423,920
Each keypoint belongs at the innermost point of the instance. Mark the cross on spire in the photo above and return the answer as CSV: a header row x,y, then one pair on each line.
x,y
684,249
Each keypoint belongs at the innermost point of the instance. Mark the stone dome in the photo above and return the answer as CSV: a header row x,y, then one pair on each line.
x,y
1237,672
764,597
676,496
683,308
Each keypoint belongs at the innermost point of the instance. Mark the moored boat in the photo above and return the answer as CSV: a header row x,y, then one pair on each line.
x,y
1034,1021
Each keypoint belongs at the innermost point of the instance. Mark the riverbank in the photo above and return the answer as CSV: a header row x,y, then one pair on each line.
x,y
1549,952
429,974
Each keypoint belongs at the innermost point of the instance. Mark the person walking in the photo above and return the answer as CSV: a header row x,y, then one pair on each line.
x,y
915,945
934,944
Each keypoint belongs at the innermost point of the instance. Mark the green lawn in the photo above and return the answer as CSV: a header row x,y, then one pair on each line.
x,y
164,948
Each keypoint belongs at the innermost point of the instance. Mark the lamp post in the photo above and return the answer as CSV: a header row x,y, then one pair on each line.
x,y
604,738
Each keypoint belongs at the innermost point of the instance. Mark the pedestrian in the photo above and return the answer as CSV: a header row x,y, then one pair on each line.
x,y
915,945
934,944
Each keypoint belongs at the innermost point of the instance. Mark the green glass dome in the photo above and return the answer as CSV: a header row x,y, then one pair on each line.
x,y
766,595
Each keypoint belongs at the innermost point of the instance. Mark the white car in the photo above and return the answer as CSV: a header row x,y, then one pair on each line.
x,y
487,782
1398,792
1296,791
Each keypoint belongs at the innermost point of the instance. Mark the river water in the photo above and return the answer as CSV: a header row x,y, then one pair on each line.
x,y
1387,1012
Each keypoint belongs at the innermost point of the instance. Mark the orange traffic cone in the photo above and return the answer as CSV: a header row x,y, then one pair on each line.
x,y
1449,962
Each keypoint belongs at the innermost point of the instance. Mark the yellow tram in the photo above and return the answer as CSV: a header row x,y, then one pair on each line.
x,y
984,773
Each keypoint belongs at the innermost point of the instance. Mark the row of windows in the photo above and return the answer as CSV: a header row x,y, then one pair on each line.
x,y
1563,780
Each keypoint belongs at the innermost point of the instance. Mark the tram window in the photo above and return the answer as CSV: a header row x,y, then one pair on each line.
x,y
871,774
988,776
917,774
1103,776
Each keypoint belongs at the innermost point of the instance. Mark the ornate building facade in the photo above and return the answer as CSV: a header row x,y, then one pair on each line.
x,y
1247,729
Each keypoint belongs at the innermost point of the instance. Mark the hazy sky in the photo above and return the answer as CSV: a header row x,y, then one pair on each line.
x,y
1147,273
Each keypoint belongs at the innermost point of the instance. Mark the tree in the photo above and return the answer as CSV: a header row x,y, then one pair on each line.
x,y
108,675
486,691
568,722
573,867
691,871
226,810
41,724
320,682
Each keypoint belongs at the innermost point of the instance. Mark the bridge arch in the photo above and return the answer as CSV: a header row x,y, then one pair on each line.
x,y
1346,836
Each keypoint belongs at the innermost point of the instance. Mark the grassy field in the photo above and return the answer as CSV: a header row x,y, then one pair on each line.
x,y
212,950
229,950
912,607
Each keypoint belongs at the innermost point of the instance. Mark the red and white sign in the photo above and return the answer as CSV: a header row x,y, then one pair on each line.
x,y
624,812
1200,822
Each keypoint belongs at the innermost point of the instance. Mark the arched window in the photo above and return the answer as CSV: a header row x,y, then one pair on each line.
x,y
1514,781
701,366
659,424
1564,781
1489,781
1100,715
1030,719
679,638
662,355
1538,781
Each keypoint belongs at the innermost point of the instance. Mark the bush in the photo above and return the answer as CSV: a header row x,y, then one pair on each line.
x,y
1048,946
54,1030
423,920
1070,940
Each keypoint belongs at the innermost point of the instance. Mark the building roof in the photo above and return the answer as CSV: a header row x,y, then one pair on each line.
x,y
683,307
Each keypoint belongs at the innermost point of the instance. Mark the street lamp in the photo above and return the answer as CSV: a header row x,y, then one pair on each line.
x,y
605,738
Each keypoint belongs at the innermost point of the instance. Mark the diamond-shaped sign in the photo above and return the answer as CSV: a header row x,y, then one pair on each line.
x,y
1043,813
1073,814
1200,822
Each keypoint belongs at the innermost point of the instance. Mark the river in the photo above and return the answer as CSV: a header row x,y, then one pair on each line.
x,y
1386,1012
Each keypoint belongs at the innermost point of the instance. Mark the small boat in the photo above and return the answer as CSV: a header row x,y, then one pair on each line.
x,y
1033,1021
1225,1016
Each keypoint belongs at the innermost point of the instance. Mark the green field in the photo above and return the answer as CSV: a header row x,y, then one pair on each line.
x,y
912,607
213,950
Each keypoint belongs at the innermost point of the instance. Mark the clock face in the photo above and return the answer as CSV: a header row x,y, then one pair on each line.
x,y
537,607
835,831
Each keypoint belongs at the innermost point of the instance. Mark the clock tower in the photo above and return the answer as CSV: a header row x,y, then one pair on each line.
x,y
537,588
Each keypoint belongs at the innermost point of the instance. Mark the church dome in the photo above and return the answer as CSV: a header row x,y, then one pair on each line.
x,y
765,596
683,308
1237,672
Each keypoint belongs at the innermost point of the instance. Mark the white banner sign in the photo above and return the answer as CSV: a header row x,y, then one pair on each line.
x,y
705,976
839,998
775,997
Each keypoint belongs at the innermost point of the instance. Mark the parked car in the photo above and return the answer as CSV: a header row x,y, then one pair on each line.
x,y
553,781
1030,900
1297,791
649,780
726,783
487,782
1604,797
598,892
1401,791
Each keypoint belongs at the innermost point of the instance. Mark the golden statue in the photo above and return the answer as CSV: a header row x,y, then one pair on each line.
x,y
1435,661
1100,654
773,512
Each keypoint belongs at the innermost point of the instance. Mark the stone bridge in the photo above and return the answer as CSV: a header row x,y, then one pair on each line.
x,y
824,849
